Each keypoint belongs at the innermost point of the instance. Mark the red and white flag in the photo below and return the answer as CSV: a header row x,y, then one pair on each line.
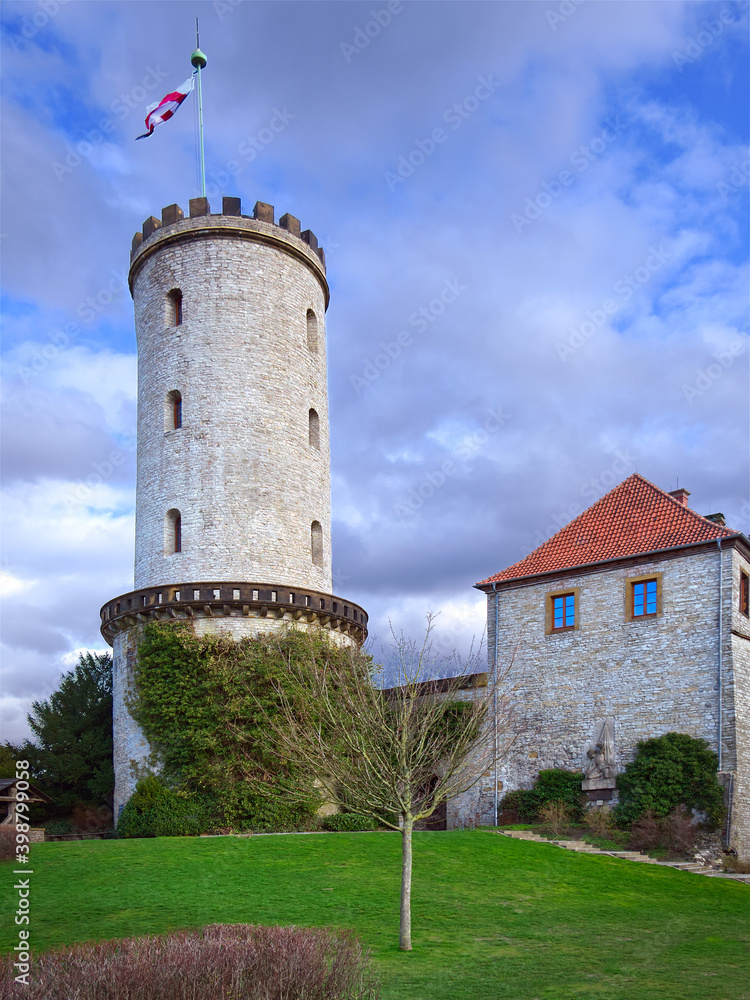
x,y
163,110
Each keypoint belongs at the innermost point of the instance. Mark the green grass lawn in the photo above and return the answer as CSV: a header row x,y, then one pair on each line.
x,y
493,918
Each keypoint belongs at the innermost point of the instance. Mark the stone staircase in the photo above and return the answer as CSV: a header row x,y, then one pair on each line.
x,y
696,867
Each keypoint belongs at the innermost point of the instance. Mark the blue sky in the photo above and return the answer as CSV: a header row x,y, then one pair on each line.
x,y
568,260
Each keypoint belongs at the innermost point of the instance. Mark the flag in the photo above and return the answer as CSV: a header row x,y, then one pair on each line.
x,y
163,110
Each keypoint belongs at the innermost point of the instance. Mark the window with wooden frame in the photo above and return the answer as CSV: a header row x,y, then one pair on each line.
x,y
561,613
174,308
744,593
643,597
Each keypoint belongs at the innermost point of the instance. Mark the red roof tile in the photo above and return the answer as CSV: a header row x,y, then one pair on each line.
x,y
633,518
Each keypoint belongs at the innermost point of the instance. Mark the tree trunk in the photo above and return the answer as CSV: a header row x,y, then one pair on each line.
x,y
404,939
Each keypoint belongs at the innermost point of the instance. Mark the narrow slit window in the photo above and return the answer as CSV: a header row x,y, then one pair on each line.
x,y
172,532
312,332
316,543
314,429
174,307
173,411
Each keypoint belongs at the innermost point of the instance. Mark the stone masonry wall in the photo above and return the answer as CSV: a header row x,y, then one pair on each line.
x,y
739,837
652,675
240,470
131,751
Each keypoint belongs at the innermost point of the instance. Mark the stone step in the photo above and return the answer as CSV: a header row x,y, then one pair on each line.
x,y
693,867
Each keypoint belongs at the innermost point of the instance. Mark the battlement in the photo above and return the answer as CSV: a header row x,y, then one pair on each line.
x,y
190,601
231,207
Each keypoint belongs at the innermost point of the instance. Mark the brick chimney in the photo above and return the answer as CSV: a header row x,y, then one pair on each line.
x,y
680,495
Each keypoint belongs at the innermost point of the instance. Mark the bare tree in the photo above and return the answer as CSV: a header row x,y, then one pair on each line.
x,y
393,754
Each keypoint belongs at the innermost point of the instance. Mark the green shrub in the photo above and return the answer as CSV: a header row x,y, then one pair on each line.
x,y
668,772
520,806
58,827
351,822
552,785
558,785
153,810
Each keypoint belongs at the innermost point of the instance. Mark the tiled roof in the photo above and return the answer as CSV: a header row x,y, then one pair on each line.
x,y
633,518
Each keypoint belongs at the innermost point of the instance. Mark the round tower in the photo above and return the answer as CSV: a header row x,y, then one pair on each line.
x,y
233,485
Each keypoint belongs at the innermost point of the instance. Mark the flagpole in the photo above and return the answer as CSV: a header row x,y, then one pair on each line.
x,y
198,60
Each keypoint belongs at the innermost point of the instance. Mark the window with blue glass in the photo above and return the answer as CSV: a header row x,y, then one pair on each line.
x,y
644,599
563,612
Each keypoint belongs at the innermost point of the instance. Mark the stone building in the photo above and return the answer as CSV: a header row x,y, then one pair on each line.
x,y
233,507
630,622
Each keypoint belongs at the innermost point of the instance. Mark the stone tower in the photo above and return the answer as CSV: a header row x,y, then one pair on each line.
x,y
233,487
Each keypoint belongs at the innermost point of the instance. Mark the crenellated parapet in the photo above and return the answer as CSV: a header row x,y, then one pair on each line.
x,y
192,601
173,223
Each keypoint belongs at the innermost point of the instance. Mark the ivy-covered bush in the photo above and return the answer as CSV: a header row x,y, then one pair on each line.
x,y
668,772
203,703
350,822
153,810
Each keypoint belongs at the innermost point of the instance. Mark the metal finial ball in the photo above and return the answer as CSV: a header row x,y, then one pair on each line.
x,y
198,59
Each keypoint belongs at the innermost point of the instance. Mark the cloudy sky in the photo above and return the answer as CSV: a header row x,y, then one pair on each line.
x,y
536,223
